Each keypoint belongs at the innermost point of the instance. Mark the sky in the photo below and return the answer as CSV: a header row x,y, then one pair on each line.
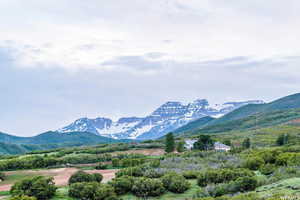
x,y
61,60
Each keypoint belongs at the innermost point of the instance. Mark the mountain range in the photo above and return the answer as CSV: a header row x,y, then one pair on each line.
x,y
282,111
168,117
194,118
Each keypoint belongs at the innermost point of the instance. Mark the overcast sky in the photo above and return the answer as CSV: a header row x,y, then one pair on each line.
x,y
65,59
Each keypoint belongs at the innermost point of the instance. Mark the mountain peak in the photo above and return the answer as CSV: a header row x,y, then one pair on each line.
x,y
168,117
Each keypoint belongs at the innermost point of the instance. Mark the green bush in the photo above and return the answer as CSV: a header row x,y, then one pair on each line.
x,y
82,176
22,197
115,162
97,177
242,184
222,176
288,159
92,191
254,163
153,173
155,163
101,166
39,187
175,183
147,187
122,185
245,184
267,169
191,174
131,171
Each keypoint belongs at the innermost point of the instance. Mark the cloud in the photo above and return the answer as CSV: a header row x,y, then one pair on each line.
x,y
119,58
147,62
185,30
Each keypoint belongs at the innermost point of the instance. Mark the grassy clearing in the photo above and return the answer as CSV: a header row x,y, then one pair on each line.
x,y
12,178
169,195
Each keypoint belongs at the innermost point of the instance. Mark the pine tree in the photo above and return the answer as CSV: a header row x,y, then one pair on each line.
x,y
170,143
247,143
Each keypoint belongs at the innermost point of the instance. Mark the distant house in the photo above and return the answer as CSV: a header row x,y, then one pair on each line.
x,y
221,147
189,144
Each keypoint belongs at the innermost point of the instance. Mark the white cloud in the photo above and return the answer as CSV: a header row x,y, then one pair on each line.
x,y
64,59
55,30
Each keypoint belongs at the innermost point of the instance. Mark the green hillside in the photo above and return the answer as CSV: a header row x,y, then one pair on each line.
x,y
194,125
285,103
10,144
259,120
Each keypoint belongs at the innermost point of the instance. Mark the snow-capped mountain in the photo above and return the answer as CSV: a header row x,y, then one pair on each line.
x,y
164,119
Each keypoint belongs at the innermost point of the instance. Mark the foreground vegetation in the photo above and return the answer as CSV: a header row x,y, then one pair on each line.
x,y
246,172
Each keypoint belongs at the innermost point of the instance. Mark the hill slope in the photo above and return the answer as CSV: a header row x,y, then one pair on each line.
x,y
194,125
259,120
10,144
285,103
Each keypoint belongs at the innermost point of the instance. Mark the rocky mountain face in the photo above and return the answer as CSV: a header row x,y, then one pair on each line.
x,y
164,119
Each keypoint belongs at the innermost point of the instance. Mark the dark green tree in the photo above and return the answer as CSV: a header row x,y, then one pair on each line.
x,y
282,139
246,143
204,143
170,143
42,188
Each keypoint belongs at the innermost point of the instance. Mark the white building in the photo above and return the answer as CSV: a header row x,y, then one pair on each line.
x,y
189,144
221,147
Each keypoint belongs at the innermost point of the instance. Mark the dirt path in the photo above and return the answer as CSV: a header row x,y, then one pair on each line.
x,y
61,175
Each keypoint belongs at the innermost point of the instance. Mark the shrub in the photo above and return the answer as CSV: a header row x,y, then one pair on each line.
x,y
246,184
123,184
153,173
190,174
180,146
267,169
146,187
115,162
254,163
288,159
222,176
92,191
242,184
101,166
155,163
22,197
39,187
131,162
97,177
175,183
82,176
131,171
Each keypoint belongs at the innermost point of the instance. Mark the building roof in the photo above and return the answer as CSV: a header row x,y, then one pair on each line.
x,y
221,145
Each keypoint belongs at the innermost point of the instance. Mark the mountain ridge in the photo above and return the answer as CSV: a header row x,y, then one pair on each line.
x,y
286,107
168,117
